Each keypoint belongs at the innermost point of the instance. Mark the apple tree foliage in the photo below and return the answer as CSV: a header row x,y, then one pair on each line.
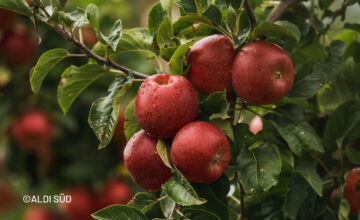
x,y
310,137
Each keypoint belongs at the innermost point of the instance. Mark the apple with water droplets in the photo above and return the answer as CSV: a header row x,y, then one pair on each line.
x,y
201,152
164,104
210,61
262,73
143,162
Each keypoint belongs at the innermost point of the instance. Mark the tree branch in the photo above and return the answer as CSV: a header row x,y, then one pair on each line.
x,y
280,9
91,54
250,11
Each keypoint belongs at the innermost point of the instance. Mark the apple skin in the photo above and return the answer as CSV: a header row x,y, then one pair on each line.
x,y
256,125
17,46
89,36
119,134
211,61
262,73
143,162
37,212
7,197
164,104
32,131
114,192
7,19
82,204
350,193
201,152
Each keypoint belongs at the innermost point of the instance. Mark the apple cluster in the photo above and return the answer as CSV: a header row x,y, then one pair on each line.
x,y
167,107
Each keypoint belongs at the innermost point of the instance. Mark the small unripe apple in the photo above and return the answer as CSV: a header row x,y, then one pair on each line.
x,y
7,19
256,125
32,131
114,192
164,104
82,204
211,61
262,73
143,162
201,152
37,212
350,192
89,36
17,46
7,197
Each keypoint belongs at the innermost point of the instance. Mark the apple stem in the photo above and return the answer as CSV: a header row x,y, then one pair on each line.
x,y
280,9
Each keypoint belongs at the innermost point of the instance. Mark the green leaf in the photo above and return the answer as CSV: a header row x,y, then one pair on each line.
x,y
114,37
136,40
243,29
119,212
231,19
189,6
204,20
199,214
131,126
214,15
353,26
295,198
243,138
46,62
166,204
163,152
176,63
306,167
79,18
167,6
341,124
334,59
258,168
308,80
180,190
156,17
143,201
166,52
344,88
103,117
18,6
265,28
215,103
165,33
299,135
353,155
74,81
92,12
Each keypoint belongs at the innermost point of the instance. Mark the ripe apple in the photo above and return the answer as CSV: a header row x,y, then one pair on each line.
x,y
17,46
262,73
164,104
89,36
201,152
256,125
82,204
350,192
143,162
211,61
37,212
7,19
114,192
7,197
32,131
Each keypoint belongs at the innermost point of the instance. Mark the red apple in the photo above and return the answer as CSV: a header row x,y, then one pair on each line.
x,y
114,192
37,212
201,152
332,195
164,104
7,19
32,131
256,125
89,36
211,61
82,204
262,73
119,135
17,46
350,192
143,162
7,197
